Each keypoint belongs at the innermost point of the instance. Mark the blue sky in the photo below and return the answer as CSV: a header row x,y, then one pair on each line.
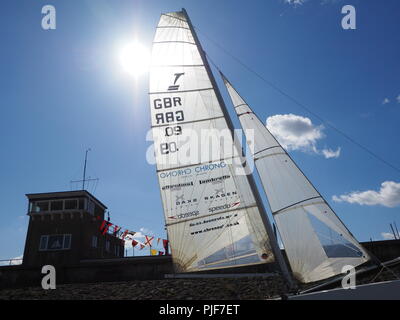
x,y
63,91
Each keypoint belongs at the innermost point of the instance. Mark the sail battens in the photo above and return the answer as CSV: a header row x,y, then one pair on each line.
x,y
174,41
265,149
198,164
244,113
172,27
295,204
186,122
316,241
212,214
240,105
182,91
176,65
173,17
269,155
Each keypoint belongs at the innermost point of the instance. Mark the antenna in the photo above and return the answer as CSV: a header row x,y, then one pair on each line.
x,y
84,173
84,170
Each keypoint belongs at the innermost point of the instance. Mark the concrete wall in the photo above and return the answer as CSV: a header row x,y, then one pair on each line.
x,y
141,268
125,269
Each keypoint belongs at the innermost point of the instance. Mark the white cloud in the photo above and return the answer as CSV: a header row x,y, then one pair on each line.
x,y
385,101
295,2
328,153
398,98
387,196
299,133
387,235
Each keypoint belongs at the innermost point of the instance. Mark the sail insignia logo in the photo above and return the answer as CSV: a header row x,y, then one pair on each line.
x,y
185,215
180,200
223,207
220,193
175,86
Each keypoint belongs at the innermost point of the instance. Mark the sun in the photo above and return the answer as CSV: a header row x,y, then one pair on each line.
x,y
134,58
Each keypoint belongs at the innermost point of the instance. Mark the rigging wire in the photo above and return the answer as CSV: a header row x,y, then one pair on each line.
x,y
295,101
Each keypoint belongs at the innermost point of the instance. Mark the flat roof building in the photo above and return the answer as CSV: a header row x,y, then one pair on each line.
x,y
64,228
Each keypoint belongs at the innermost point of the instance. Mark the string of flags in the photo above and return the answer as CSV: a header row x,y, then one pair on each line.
x,y
127,235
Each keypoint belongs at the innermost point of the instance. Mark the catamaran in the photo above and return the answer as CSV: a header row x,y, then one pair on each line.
x,y
213,211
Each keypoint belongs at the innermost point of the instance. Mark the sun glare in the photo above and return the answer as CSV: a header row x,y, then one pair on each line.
x,y
134,58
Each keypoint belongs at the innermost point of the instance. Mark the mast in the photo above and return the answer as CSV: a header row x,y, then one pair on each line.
x,y
250,178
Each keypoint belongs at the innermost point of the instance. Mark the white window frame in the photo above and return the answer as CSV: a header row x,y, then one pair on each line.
x,y
47,236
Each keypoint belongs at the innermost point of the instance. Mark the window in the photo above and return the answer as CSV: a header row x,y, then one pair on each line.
x,y
94,242
55,242
81,204
56,205
40,206
71,204
108,245
91,207
43,242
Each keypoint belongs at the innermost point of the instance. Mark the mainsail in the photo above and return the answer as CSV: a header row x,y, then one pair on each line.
x,y
316,242
211,214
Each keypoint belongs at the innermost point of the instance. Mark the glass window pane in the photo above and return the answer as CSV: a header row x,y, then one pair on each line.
x,y
43,243
71,204
56,205
55,242
40,206
67,241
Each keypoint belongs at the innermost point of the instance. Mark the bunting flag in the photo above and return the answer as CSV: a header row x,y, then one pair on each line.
x,y
148,240
124,234
116,230
165,245
104,226
153,252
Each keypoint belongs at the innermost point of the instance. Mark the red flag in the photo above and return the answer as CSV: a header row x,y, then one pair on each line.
x,y
160,253
165,244
116,229
134,243
148,240
124,234
104,226
141,246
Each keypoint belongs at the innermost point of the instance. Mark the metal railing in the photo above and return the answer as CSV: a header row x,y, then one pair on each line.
x,y
11,262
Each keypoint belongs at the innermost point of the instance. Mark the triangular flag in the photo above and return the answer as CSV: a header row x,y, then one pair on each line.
x,y
124,234
116,229
158,240
134,243
153,252
160,253
141,246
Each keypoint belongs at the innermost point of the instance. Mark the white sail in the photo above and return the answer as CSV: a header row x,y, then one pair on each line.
x,y
316,242
210,211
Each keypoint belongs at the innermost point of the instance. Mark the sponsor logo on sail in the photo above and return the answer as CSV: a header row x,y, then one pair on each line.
x,y
189,171
175,86
177,186
185,215
220,193
215,180
180,200
223,207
